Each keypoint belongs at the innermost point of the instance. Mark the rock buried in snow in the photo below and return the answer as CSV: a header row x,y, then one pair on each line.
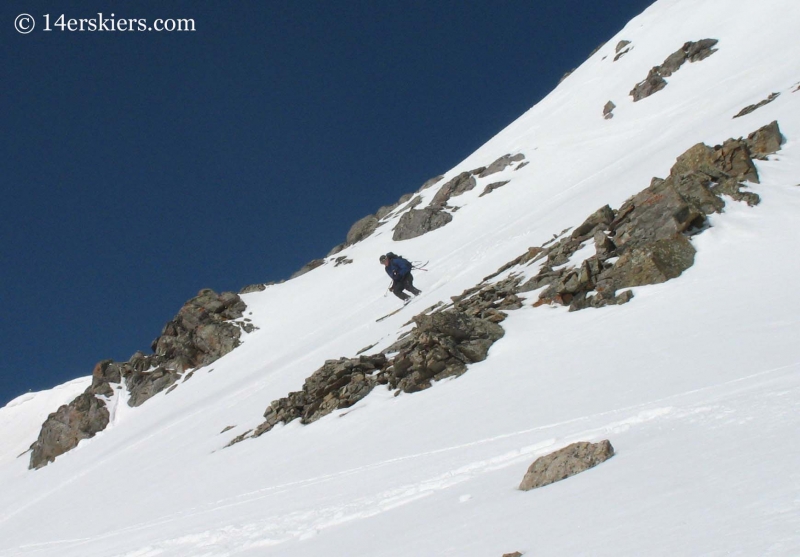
x,y
566,462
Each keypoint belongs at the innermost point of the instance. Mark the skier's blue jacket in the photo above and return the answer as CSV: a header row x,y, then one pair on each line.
x,y
398,268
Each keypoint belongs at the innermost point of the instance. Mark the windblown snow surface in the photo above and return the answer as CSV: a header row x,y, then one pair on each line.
x,y
696,381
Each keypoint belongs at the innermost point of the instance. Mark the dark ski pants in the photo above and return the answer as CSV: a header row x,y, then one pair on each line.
x,y
405,283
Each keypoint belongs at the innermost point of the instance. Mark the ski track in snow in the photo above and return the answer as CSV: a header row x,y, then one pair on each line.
x,y
273,530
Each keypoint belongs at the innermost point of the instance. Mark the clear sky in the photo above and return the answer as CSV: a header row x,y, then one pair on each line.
x,y
138,167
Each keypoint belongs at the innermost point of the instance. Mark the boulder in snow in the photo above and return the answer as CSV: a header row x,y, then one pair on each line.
x,y
562,464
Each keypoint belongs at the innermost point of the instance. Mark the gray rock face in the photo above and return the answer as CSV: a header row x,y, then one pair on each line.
x,y
310,266
64,429
566,462
493,186
608,110
361,229
144,385
462,183
201,333
690,51
260,287
417,222
431,181
501,164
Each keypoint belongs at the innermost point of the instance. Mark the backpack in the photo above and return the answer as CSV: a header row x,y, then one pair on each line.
x,y
403,265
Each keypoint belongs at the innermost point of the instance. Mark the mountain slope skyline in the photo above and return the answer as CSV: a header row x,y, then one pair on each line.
x,y
693,379
130,156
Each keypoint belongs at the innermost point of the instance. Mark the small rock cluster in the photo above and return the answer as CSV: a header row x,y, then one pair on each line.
x,y
690,51
753,107
416,222
622,49
203,331
566,462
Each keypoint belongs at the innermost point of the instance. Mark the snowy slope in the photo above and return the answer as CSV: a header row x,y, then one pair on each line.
x,y
695,381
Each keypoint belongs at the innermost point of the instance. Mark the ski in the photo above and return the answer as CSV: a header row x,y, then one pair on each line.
x,y
389,314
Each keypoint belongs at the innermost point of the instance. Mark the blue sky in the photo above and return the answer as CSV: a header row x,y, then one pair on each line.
x,y
138,168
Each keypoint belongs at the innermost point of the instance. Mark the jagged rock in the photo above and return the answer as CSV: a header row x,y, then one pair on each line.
x,y
753,107
337,384
431,181
144,385
562,464
417,222
501,164
334,250
491,187
343,260
608,110
603,245
650,232
260,287
201,332
361,229
462,183
765,141
310,266
600,218
654,82
104,372
64,429
442,345
652,263
619,52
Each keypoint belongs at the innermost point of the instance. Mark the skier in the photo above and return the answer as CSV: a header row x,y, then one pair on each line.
x,y
400,271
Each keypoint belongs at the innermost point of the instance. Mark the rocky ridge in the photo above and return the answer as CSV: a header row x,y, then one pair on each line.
x,y
206,328
645,241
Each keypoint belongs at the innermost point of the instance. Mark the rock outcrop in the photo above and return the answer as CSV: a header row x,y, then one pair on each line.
x,y
206,328
361,229
690,51
66,427
501,164
562,464
621,49
442,345
753,107
462,183
608,110
493,186
646,241
417,222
